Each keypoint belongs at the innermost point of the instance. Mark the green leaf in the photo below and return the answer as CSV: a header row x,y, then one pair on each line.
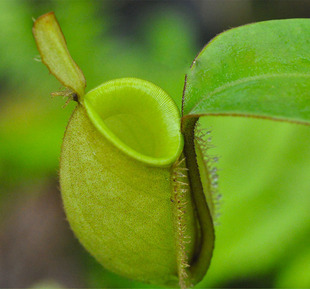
x,y
260,70
55,55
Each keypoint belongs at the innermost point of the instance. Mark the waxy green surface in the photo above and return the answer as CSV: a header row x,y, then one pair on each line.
x,y
260,69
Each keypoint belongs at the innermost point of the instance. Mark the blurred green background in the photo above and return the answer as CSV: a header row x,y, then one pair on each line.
x,y
264,231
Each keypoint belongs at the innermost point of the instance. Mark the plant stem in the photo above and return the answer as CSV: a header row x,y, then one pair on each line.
x,y
202,258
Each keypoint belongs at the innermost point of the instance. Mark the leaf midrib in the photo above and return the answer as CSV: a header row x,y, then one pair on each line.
x,y
245,80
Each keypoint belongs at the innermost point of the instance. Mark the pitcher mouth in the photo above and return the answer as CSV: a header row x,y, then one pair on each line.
x,y
139,118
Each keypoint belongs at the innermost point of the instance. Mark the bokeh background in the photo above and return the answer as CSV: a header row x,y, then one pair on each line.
x,y
263,234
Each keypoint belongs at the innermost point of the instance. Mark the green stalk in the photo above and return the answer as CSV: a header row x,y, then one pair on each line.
x,y
202,259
